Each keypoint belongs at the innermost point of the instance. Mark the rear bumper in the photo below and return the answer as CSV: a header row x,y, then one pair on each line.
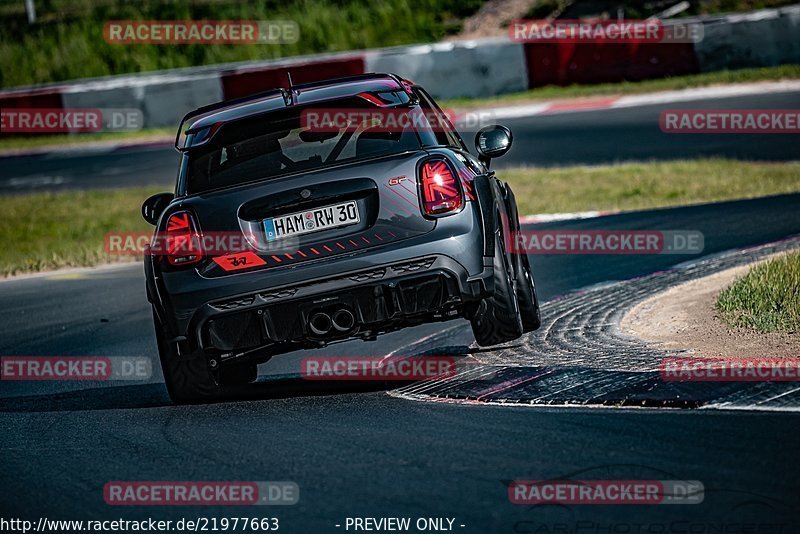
x,y
414,281
381,300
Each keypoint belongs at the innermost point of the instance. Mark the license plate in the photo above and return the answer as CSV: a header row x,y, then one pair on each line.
x,y
305,222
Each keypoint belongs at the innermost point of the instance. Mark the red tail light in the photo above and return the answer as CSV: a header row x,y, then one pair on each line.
x,y
183,243
441,192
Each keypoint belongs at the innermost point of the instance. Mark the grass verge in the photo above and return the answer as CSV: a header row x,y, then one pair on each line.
x,y
632,186
66,140
767,298
45,231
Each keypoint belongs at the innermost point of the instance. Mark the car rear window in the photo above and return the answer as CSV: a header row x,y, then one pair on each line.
x,y
277,144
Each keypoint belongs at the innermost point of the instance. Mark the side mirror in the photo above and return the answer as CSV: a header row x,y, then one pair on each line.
x,y
154,206
492,142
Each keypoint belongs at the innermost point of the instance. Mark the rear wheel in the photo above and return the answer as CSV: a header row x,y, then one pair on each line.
x,y
187,377
498,319
526,294
526,288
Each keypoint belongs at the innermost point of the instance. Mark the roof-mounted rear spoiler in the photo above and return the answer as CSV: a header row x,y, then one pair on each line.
x,y
217,106
288,97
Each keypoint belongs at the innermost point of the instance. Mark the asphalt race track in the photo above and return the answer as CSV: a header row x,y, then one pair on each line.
x,y
373,450
586,137
356,451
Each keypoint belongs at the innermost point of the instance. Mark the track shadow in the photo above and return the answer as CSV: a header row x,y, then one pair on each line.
x,y
155,395
151,395
101,398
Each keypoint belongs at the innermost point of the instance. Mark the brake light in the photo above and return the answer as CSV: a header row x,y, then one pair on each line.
x,y
183,243
441,192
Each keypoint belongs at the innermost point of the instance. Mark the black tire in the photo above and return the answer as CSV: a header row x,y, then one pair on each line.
x,y
526,294
238,374
526,287
497,319
188,378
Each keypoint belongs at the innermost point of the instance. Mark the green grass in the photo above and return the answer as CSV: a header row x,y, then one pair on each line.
x,y
68,43
45,231
61,140
631,186
767,298
551,92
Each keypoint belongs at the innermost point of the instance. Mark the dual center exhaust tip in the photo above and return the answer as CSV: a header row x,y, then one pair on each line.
x,y
342,320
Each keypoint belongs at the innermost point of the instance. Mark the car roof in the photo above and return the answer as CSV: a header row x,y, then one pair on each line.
x,y
213,116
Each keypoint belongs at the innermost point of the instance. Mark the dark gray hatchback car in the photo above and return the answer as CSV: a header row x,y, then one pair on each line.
x,y
327,211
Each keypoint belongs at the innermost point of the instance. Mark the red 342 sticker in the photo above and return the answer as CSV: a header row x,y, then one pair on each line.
x,y
241,260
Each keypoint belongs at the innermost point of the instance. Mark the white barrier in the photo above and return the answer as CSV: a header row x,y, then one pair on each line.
x,y
163,100
457,69
758,39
